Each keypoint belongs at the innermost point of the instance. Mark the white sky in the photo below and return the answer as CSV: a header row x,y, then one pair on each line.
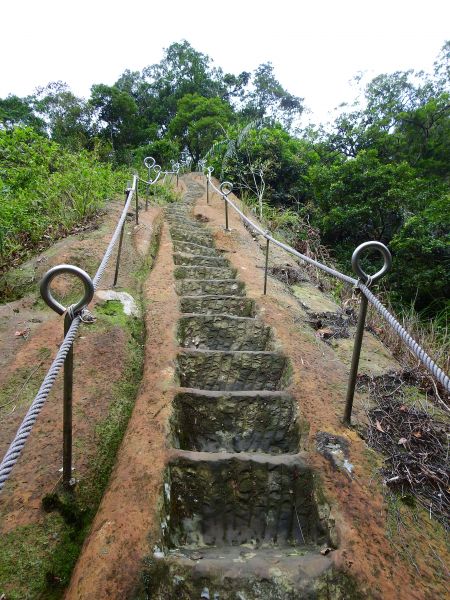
x,y
316,47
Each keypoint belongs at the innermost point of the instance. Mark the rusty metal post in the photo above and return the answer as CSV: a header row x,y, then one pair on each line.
x,y
367,280
137,201
266,266
119,249
207,191
67,409
69,314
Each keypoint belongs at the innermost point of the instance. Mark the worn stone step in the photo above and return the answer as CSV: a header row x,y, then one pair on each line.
x,y
199,260
203,272
224,370
213,421
208,305
206,287
222,499
185,223
191,248
223,332
192,236
239,573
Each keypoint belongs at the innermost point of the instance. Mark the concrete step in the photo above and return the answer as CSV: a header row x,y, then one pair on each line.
x,y
194,237
190,248
232,371
223,332
239,573
208,305
227,499
198,260
209,287
203,272
214,421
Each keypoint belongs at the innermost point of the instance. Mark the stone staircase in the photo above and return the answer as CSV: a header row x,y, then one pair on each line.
x,y
240,517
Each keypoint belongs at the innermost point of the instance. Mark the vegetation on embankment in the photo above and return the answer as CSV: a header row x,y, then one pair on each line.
x,y
36,559
47,191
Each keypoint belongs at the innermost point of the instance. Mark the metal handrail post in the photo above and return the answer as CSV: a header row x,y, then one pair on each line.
x,y
119,249
368,280
226,213
67,409
225,189
69,315
266,265
207,190
137,201
355,360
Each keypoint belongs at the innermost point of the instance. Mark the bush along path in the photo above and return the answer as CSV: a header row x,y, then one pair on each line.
x,y
240,516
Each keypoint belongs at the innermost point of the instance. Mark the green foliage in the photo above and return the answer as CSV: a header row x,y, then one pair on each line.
x,y
421,251
198,123
45,190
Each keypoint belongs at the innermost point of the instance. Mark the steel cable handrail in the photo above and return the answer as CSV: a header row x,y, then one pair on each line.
x,y
415,348
13,453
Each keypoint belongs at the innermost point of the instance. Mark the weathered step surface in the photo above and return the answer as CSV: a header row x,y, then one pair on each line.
x,y
208,305
223,370
199,260
186,247
203,272
214,421
194,237
233,499
223,332
237,573
205,287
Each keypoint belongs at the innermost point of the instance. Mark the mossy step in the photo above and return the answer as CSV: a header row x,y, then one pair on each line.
x,y
199,260
225,370
223,332
185,223
213,421
224,499
192,248
204,272
239,573
208,287
208,305
191,236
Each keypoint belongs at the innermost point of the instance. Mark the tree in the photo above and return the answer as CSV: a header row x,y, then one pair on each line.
x,y
19,111
68,118
118,118
198,123
268,98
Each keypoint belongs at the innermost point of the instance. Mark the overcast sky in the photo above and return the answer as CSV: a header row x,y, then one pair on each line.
x,y
316,47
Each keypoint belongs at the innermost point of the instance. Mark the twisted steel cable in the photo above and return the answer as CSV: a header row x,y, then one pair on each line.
x,y
16,446
415,348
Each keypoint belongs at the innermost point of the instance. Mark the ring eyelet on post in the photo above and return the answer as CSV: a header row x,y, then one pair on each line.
x,y
356,257
72,270
149,162
226,187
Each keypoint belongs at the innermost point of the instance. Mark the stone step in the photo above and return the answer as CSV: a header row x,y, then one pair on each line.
x,y
191,248
224,370
184,235
185,223
214,421
199,260
203,272
212,287
237,573
208,305
223,332
223,499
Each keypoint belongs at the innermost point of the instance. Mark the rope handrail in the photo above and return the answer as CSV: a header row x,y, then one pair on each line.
x,y
15,448
413,346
